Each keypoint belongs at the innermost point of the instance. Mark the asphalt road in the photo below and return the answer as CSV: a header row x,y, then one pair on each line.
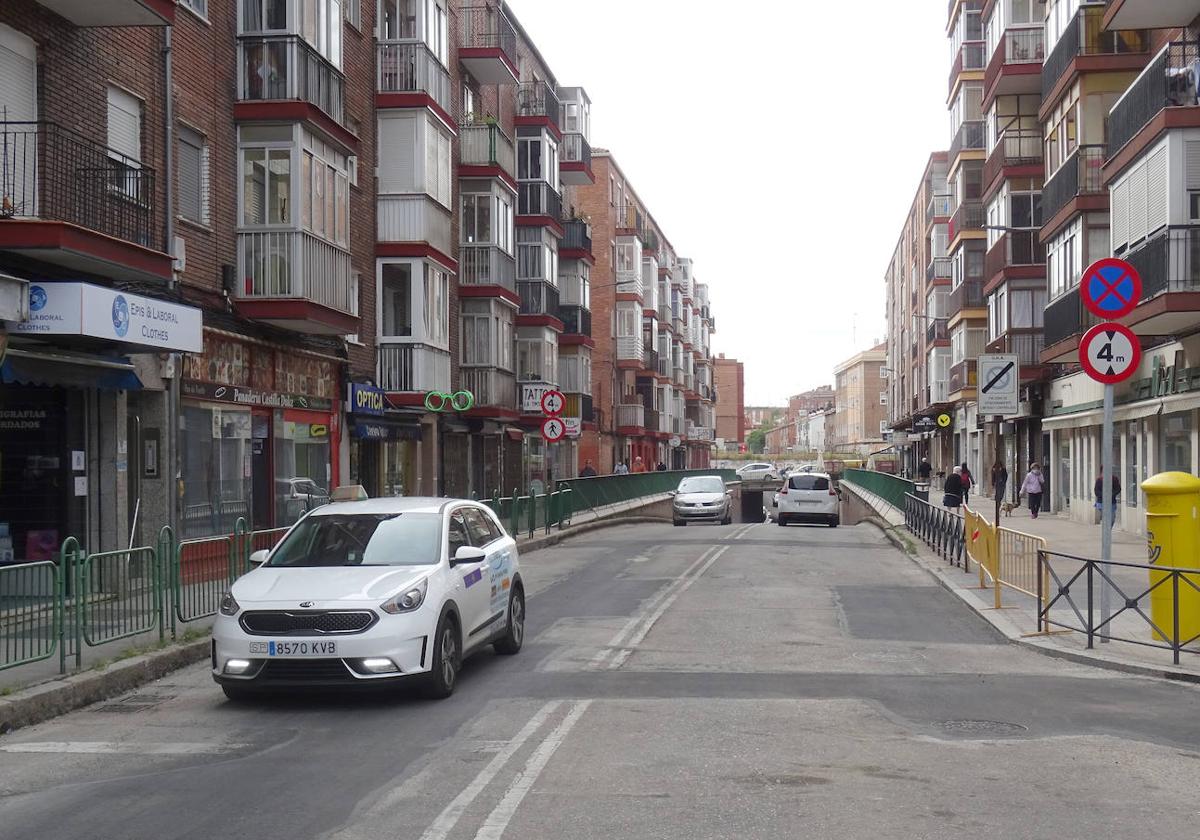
x,y
707,682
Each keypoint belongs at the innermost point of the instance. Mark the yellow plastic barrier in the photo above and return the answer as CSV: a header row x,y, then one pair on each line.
x,y
1173,538
1004,557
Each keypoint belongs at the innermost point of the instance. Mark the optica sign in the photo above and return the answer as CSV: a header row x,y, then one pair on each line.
x,y
366,399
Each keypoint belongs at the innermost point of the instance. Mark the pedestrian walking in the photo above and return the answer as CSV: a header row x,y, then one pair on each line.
x,y
588,470
924,470
967,481
639,466
621,468
953,490
999,480
1116,493
1032,486
661,467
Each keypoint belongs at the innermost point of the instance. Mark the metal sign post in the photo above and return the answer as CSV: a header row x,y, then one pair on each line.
x,y
999,394
1109,353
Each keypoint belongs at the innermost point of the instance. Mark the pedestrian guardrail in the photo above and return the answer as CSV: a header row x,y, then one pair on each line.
x,y
526,514
891,488
1004,557
940,529
1166,601
59,607
601,490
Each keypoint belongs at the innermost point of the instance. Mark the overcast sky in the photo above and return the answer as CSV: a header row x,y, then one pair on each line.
x,y
779,148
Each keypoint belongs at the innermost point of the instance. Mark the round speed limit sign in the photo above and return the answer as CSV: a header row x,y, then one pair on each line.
x,y
1110,353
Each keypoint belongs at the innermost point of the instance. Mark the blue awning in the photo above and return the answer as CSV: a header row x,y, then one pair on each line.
x,y
68,370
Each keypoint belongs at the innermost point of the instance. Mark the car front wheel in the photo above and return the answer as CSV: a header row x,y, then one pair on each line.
x,y
510,643
444,672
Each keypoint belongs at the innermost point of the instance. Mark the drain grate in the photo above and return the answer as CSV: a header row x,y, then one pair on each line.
x,y
889,656
135,703
981,727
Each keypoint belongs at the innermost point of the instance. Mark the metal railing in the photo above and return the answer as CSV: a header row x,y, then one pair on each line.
x,y
1168,81
1014,247
939,528
938,269
970,135
538,297
539,99
1027,346
491,386
1079,175
630,415
411,67
487,265
413,367
891,488
486,144
936,330
282,67
1004,558
537,198
1014,147
966,295
962,375
1066,316
1168,262
941,205
577,320
968,216
576,149
602,490
485,26
1066,575
577,235
52,173
1087,36
528,513
295,264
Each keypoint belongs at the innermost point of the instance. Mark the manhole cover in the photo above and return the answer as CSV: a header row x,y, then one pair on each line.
x,y
888,656
982,727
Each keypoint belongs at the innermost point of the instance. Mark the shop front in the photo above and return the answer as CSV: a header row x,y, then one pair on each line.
x,y
259,435
384,443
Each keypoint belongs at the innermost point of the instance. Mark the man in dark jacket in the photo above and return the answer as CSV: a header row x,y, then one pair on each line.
x,y
1098,489
924,470
953,490
588,470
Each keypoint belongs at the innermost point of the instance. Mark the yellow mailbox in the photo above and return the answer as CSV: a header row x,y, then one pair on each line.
x,y
1173,538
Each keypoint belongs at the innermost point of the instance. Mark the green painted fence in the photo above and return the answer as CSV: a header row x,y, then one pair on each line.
x,y
601,490
890,488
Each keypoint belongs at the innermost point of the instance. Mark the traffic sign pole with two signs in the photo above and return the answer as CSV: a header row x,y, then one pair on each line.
x,y
1109,353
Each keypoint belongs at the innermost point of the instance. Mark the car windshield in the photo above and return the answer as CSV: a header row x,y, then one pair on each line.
x,y
702,484
809,482
362,539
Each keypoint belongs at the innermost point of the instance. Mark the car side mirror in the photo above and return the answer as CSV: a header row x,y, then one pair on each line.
x,y
468,554
257,558
671,492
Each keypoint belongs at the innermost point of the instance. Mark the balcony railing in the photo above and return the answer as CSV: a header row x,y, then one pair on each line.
x,y
575,149
1065,317
664,364
1168,81
296,265
630,282
577,234
538,298
936,330
969,216
970,57
51,173
1015,147
537,198
649,359
1087,36
1014,247
285,67
486,265
677,376
1027,347
413,218
1169,262
576,320
631,415
486,27
970,135
411,67
413,367
941,205
539,99
962,375
938,269
629,347
491,386
1080,175
968,295
486,144
1024,46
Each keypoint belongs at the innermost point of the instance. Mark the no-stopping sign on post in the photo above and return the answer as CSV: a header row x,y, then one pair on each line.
x,y
1110,353
1111,288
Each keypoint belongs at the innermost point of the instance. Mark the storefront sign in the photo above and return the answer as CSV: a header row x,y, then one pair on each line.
x,y
21,419
1166,379
574,426
97,312
252,396
377,430
531,397
366,399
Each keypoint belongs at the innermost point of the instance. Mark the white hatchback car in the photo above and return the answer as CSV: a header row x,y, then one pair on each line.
x,y
370,593
811,497
757,471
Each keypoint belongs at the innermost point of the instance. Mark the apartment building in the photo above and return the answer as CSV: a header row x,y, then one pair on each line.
x,y
861,396
761,415
652,362
729,382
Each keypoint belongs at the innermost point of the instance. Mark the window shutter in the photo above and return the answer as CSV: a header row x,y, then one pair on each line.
x,y
18,77
398,154
1156,191
1192,163
191,175
1137,203
125,124
1119,215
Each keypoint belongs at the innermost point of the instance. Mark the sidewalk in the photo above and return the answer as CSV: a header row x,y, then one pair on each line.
x,y
1017,619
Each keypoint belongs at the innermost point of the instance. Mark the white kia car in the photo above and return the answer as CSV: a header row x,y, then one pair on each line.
x,y
809,497
371,593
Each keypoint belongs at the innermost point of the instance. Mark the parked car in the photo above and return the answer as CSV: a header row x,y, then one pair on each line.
x,y
758,471
702,498
809,497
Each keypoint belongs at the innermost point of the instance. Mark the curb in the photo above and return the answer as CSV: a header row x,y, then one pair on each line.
x,y
547,540
1078,657
65,694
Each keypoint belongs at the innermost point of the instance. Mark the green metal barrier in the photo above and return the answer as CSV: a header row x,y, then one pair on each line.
x,y
117,594
602,490
30,612
890,488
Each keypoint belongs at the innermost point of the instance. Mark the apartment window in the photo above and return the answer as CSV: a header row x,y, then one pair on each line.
x,y
629,321
437,163
353,11
200,7
415,302
266,186
325,191
124,140
626,257
1064,259
529,159
397,19
612,190
476,219
1062,131
396,317
435,29
468,103
193,176
265,15
1028,308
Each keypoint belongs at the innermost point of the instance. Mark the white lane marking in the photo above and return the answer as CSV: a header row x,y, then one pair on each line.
x,y
445,822
615,642
497,821
621,655
118,748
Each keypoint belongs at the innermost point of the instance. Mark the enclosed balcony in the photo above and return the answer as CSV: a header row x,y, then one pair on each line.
x,y
408,74
962,377
1016,66
413,368
577,320
649,359
294,280
487,44
1081,175
487,265
1016,249
1150,14
414,218
279,68
631,418
89,13
575,160
538,298
968,295
485,145
969,137
1169,263
537,104
490,386
1017,147
938,269
67,200
576,243
1164,94
969,216
581,406
1087,46
537,198
970,58
936,330
629,349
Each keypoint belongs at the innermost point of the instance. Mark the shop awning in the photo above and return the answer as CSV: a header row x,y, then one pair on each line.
x,y
68,370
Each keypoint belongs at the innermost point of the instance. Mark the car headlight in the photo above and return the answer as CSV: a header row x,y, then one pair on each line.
x,y
229,606
408,600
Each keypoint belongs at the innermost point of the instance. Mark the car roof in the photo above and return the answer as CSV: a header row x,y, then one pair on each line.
x,y
392,504
814,473
690,477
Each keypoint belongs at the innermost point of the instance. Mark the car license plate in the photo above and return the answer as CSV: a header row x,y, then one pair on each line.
x,y
294,648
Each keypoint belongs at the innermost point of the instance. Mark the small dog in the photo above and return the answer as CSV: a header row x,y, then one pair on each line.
x,y
1007,507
